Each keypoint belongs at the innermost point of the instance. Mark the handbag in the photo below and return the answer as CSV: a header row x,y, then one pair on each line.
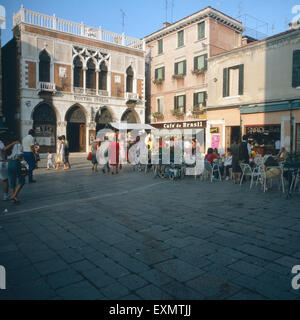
x,y
58,158
89,157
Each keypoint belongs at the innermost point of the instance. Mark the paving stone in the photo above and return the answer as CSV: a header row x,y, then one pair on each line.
x,y
82,265
151,292
156,277
115,291
133,282
98,277
111,268
247,268
50,266
80,291
63,278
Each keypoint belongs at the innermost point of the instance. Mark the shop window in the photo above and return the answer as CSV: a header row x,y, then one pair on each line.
x,y
296,69
233,81
91,75
103,77
44,67
129,80
77,74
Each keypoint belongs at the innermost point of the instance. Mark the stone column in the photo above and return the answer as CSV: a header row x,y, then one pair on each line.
x,y
97,81
84,79
61,128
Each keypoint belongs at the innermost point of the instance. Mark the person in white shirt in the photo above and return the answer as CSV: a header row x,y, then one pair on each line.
x,y
16,180
3,165
29,153
103,156
227,163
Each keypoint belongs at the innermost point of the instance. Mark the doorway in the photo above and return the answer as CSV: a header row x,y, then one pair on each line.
x,y
231,134
76,129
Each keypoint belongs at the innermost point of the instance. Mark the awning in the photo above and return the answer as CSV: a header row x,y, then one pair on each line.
x,y
131,126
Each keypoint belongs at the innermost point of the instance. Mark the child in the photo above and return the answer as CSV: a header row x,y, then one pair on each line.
x,y
49,162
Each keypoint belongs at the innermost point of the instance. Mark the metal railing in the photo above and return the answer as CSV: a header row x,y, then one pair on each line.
x,y
79,29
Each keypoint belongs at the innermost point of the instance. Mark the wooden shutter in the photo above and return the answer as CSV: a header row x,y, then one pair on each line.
x,y
296,69
225,82
205,61
176,68
195,63
241,79
156,74
163,73
175,103
184,67
195,99
184,102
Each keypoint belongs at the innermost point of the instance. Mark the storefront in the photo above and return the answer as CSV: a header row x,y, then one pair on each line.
x,y
264,139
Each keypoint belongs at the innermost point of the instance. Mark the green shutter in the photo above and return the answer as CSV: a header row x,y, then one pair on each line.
x,y
163,73
184,102
176,68
156,74
184,67
241,79
201,30
296,69
195,99
195,63
175,103
205,61
225,82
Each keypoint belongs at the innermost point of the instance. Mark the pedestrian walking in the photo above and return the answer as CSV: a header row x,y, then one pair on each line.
x,y
49,161
94,149
4,146
66,152
29,153
60,153
102,155
114,154
16,179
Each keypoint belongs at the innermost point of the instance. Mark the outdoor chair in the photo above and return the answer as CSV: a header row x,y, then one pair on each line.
x,y
246,171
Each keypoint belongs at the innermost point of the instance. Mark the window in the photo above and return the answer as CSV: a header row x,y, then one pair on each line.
x,y
179,103
90,75
160,73
180,68
160,46
160,105
200,62
296,69
200,98
201,30
77,74
44,67
103,77
129,80
180,38
233,81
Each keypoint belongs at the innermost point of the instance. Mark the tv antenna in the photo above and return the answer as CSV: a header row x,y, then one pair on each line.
x,y
123,20
172,10
166,6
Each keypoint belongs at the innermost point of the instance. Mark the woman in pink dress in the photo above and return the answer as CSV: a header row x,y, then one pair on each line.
x,y
114,149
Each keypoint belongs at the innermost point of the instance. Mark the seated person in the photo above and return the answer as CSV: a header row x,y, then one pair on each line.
x,y
273,172
211,156
227,164
282,155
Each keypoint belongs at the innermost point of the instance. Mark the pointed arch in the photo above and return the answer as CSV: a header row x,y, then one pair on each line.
x,y
44,66
78,72
130,116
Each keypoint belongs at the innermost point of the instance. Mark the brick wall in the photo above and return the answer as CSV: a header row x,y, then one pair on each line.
x,y
117,88
30,74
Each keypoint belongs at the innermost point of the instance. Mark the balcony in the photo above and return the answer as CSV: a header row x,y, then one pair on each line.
x,y
90,92
47,87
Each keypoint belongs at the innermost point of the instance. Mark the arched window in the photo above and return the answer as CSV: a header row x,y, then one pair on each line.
x,y
44,67
103,76
90,75
78,76
129,79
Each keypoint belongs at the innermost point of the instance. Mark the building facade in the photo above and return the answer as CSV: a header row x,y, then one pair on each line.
x,y
254,90
71,79
176,59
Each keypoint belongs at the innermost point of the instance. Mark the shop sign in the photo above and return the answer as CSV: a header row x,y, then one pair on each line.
x,y
263,129
214,130
180,125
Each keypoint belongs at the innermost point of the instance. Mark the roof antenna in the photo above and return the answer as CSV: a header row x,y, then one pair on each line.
x,y
166,10
123,20
240,9
172,11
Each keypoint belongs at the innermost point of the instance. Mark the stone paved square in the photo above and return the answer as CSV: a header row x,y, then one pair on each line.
x,y
83,235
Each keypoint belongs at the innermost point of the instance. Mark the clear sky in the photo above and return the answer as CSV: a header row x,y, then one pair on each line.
x,y
146,16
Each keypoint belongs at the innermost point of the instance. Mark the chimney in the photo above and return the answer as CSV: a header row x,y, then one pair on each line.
x,y
166,24
295,24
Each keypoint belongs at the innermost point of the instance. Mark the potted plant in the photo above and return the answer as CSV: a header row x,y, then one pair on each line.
x,y
158,81
178,76
157,115
178,113
198,71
